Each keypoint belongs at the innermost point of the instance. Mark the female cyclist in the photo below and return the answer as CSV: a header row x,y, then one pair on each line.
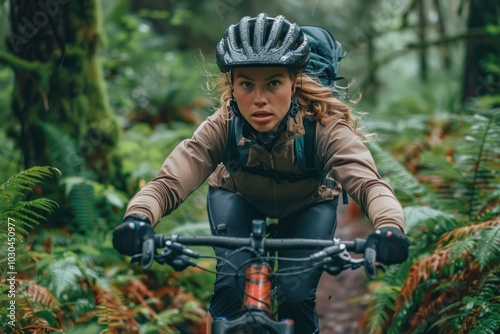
x,y
266,100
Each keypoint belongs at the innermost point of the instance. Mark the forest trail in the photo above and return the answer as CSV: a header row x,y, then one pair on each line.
x,y
341,299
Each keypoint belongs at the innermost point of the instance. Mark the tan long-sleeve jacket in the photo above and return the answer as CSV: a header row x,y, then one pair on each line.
x,y
344,156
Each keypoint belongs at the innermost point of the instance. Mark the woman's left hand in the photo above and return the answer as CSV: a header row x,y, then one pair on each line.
x,y
390,243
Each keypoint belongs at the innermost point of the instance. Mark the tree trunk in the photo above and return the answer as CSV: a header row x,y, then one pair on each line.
x,y
422,21
372,86
444,49
58,81
477,80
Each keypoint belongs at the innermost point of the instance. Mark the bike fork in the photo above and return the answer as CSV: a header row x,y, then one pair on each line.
x,y
257,304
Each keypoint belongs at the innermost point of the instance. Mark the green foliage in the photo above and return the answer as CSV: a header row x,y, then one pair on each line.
x,y
13,203
63,150
469,179
143,150
447,283
90,204
408,189
168,87
19,215
78,273
9,157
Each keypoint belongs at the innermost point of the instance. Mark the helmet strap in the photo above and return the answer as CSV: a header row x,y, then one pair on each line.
x,y
234,106
294,107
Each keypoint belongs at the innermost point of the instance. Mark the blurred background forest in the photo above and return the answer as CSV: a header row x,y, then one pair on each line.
x,y
95,94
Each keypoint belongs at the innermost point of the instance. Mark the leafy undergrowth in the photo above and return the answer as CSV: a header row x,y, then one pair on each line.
x,y
62,281
450,282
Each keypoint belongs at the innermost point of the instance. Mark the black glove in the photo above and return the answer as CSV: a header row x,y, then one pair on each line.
x,y
390,243
129,236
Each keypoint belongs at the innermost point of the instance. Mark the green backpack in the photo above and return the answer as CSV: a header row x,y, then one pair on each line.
x,y
323,64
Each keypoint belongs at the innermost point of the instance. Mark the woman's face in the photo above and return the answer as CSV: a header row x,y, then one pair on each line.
x,y
263,95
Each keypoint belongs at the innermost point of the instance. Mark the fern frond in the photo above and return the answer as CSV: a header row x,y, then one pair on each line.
x,y
453,286
406,186
428,220
137,292
431,312
112,313
483,321
420,271
82,202
39,294
31,314
64,276
477,159
480,239
462,247
488,246
487,131
485,313
378,314
488,289
25,214
464,231
20,184
37,329
63,150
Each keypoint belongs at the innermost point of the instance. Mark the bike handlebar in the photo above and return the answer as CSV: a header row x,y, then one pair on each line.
x,y
161,240
332,254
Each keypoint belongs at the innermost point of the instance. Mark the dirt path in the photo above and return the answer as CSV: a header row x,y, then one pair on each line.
x,y
340,299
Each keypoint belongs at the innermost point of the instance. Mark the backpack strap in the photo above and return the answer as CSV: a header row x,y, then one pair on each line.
x,y
305,151
307,157
310,163
235,157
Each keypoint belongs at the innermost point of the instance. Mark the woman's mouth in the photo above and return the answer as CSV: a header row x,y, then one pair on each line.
x,y
262,116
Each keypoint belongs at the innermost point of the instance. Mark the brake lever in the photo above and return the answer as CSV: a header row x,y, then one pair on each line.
x,y
145,259
343,261
356,263
370,262
181,262
148,252
176,256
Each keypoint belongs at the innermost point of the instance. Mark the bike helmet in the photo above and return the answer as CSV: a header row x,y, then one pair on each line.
x,y
262,41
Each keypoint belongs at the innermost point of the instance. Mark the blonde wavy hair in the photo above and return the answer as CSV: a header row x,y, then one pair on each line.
x,y
315,100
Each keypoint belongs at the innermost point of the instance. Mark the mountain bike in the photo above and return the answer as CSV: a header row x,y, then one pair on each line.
x,y
332,256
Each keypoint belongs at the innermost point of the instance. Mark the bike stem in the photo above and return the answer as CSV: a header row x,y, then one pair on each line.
x,y
258,236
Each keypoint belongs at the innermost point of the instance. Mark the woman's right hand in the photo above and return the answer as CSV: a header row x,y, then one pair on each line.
x,y
129,236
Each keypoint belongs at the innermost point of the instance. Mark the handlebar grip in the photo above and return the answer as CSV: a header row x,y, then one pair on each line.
x,y
359,245
159,240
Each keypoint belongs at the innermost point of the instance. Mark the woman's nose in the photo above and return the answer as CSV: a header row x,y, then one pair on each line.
x,y
260,98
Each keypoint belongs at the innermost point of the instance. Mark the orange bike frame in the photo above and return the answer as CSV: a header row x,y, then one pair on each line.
x,y
258,288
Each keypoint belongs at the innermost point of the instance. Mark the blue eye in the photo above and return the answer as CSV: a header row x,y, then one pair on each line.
x,y
246,84
274,83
